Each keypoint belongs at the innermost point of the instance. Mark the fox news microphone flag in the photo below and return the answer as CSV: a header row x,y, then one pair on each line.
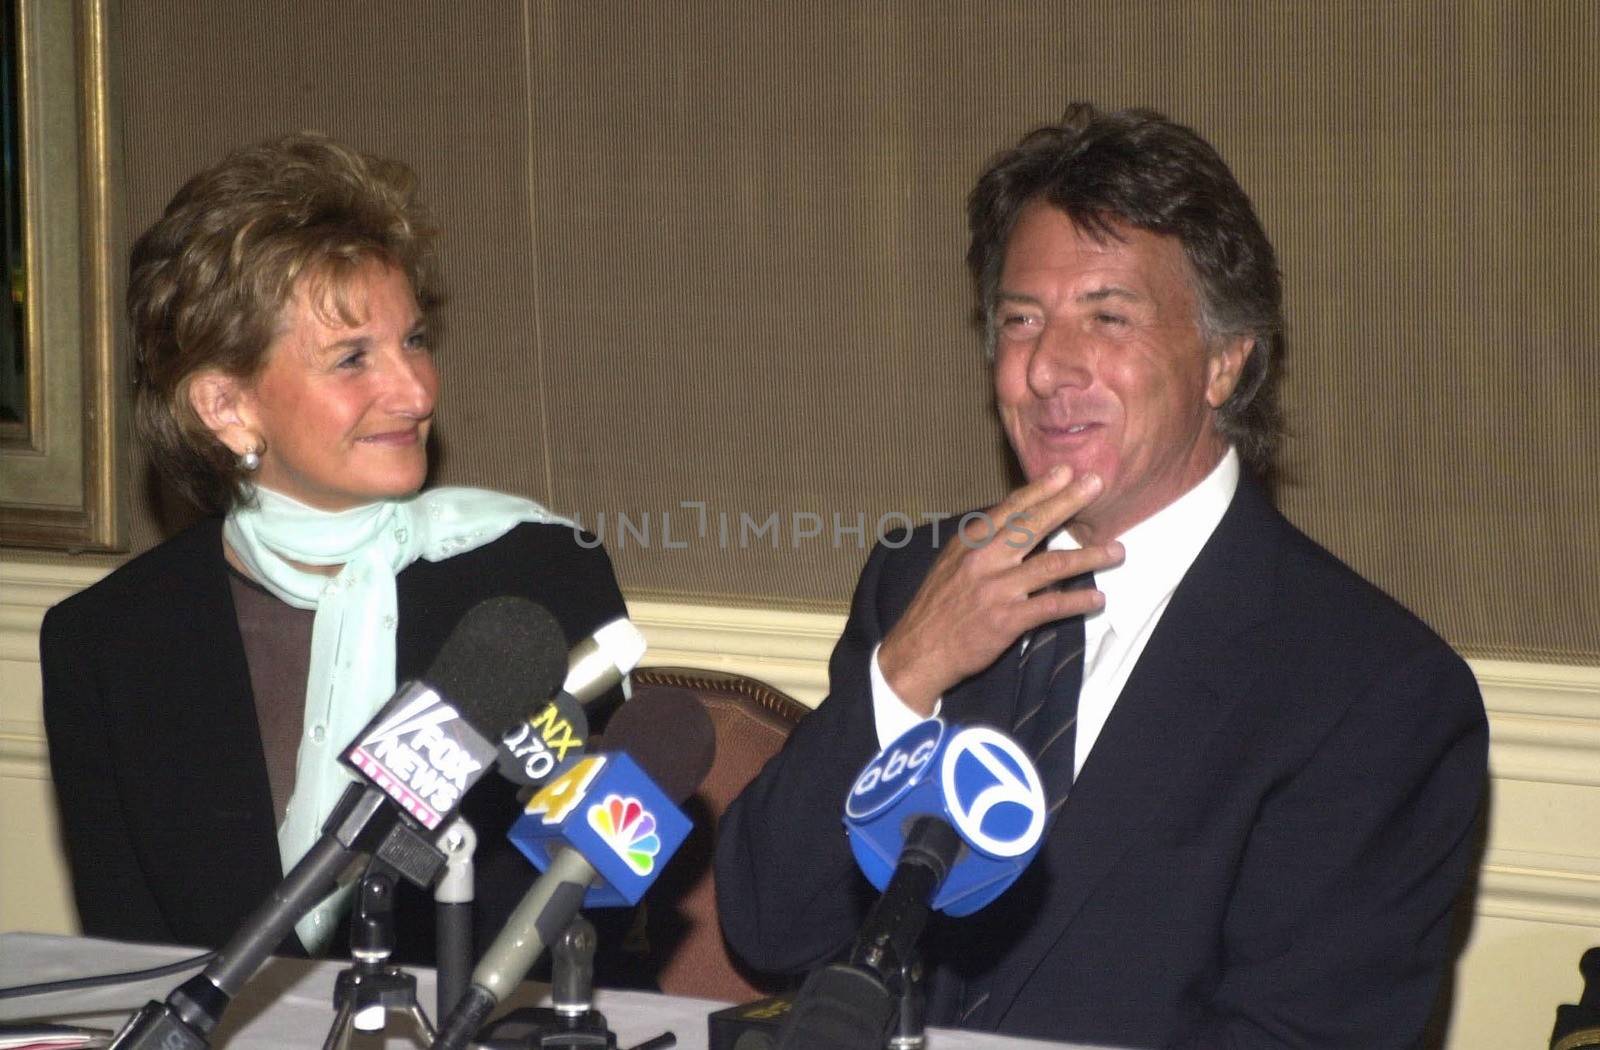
x,y
423,750
436,737
600,833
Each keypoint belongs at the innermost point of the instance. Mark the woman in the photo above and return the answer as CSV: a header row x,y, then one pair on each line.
x,y
197,699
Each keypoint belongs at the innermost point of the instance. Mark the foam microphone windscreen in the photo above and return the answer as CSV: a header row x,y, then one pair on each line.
x,y
668,733
506,656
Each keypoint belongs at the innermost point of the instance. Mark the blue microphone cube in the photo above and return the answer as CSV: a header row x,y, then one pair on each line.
x,y
975,778
606,808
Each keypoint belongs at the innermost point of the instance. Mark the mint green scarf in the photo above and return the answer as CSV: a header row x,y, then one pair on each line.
x,y
353,633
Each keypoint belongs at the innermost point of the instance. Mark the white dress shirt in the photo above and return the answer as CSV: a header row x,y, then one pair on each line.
x,y
1159,551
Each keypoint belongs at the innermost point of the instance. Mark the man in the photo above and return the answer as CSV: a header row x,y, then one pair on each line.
x,y
1264,790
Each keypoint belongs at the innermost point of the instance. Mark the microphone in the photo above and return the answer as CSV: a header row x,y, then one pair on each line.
x,y
554,737
942,819
425,747
600,833
975,779
435,738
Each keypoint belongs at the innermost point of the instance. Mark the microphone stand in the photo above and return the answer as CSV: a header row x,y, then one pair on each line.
x,y
572,974
453,896
910,1027
571,1022
361,822
853,1005
368,991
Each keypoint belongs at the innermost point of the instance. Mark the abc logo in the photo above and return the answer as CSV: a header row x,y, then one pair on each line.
x,y
894,769
894,766
994,795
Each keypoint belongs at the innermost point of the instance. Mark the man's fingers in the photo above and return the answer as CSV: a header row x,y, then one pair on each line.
x,y
1025,517
989,587
1050,605
1051,567
1056,507
1021,500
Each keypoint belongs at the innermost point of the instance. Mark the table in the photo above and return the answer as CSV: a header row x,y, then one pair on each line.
x,y
290,1002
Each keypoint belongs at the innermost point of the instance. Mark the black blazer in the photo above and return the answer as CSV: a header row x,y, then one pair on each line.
x,y
1262,849
156,752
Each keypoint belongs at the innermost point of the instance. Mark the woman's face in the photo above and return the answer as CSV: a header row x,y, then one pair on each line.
x,y
344,409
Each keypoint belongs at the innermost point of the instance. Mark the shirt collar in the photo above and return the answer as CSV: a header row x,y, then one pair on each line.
x,y
1160,549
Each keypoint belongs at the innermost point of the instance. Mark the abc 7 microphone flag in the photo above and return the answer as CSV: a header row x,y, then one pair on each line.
x,y
606,808
974,777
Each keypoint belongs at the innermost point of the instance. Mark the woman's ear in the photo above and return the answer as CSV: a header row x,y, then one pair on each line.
x,y
222,405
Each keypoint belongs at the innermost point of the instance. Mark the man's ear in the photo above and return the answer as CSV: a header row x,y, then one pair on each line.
x,y
222,404
1224,365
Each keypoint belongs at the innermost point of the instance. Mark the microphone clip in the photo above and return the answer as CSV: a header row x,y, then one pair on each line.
x,y
369,990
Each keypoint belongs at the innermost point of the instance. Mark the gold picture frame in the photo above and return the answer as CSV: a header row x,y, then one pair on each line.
x,y
59,466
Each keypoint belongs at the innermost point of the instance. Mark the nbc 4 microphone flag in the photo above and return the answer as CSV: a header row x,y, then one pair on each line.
x,y
606,808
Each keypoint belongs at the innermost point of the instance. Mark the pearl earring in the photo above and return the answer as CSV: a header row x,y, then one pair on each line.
x,y
250,460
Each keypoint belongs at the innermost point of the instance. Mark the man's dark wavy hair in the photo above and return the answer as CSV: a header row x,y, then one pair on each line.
x,y
1136,168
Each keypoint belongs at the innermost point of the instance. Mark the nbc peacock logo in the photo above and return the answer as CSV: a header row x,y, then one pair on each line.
x,y
629,829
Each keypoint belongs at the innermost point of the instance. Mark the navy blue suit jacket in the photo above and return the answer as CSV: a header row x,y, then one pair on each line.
x,y
1262,849
156,752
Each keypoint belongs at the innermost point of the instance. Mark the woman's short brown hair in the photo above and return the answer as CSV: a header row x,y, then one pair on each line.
x,y
209,281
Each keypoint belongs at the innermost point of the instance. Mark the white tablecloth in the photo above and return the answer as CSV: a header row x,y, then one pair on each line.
x,y
290,1002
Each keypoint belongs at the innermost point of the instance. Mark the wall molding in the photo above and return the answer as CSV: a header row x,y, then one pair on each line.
x,y
1544,721
27,589
1544,718
1540,887
1533,699
23,756
788,650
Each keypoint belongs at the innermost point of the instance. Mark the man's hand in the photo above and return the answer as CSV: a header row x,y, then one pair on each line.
x,y
984,592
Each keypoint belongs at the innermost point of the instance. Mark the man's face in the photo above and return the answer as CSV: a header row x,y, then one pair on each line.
x,y
1101,364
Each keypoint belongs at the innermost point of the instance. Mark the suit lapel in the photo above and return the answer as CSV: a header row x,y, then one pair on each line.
x,y
209,730
1185,683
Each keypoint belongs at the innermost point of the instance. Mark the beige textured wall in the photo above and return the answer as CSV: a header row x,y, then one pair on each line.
x,y
710,252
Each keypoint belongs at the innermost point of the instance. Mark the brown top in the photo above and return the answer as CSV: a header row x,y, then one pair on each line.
x,y
277,648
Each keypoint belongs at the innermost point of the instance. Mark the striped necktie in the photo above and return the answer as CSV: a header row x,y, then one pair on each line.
x,y
1051,674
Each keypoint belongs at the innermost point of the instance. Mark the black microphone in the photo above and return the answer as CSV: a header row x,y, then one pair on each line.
x,y
437,736
854,1003
556,735
671,742
426,746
